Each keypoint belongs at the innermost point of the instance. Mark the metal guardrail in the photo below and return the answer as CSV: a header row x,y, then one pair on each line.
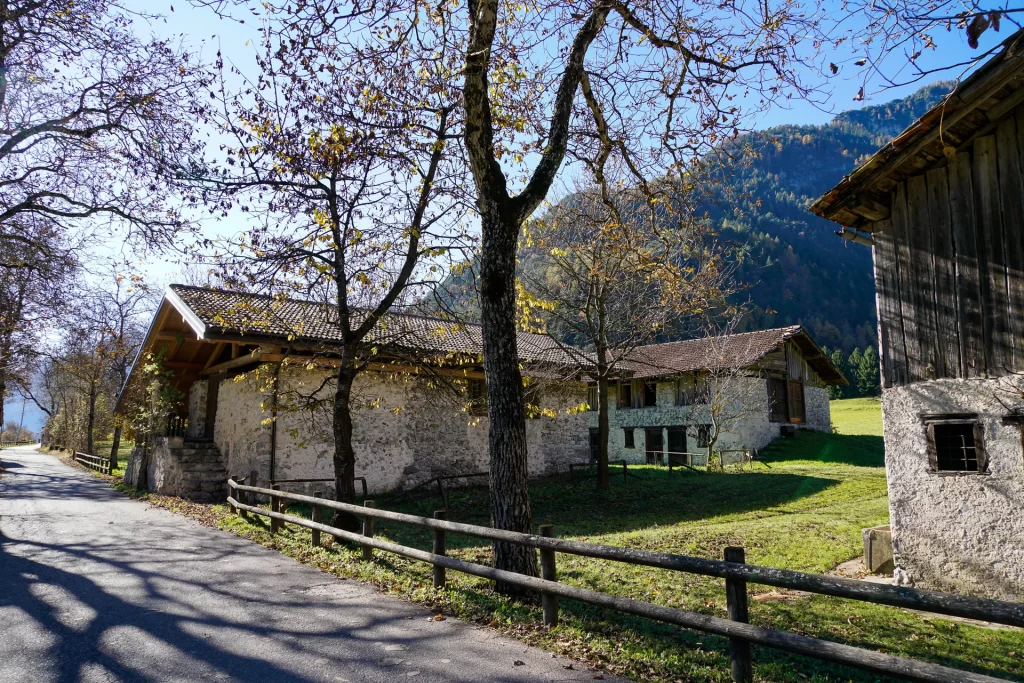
x,y
735,572
93,462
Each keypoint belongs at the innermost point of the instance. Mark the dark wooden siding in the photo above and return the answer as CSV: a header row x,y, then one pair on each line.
x,y
949,265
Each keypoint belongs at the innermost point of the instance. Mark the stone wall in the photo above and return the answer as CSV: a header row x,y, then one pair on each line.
x,y
197,409
404,432
177,467
960,532
748,426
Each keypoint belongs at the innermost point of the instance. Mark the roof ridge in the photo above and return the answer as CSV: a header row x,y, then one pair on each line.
x,y
788,329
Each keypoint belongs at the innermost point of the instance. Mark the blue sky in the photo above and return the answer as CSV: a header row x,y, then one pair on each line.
x,y
206,33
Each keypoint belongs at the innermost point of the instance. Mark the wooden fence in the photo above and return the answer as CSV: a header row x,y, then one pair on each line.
x,y
11,444
735,572
93,462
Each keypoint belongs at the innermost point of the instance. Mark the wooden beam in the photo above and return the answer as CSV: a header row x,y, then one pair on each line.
x,y
238,362
181,364
215,355
869,208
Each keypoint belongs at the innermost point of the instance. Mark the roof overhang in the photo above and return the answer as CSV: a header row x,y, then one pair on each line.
x,y
971,109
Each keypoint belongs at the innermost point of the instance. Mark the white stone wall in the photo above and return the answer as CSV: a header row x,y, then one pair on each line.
x,y
197,409
749,426
404,432
817,408
956,532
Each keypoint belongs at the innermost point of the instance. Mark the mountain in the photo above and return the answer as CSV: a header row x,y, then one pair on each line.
x,y
797,270
794,268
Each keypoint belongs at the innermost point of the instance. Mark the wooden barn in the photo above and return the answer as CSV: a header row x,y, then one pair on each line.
x,y
942,208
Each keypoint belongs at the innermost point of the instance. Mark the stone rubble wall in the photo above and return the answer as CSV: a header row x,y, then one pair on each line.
x,y
176,467
405,431
197,409
959,532
748,428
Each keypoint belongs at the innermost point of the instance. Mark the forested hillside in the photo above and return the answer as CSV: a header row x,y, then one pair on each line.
x,y
797,269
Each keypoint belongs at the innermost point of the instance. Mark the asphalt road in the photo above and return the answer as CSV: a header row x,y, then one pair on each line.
x,y
97,587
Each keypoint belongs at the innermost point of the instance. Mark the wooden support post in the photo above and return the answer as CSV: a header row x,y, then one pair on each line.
x,y
242,497
315,533
439,549
625,472
233,493
548,573
736,603
275,524
368,530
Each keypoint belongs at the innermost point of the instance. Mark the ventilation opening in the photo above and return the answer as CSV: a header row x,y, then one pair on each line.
x,y
955,448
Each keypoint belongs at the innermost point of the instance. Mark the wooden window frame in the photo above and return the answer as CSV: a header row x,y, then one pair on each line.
x,y
624,403
703,435
592,393
796,416
980,452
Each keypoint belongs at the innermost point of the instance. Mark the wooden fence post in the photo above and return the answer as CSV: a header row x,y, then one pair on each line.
x,y
625,472
231,493
736,603
275,524
315,533
548,573
368,530
439,549
242,497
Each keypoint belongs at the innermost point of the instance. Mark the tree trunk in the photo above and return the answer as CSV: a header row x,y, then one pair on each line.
x,y
91,420
344,454
602,432
115,447
506,437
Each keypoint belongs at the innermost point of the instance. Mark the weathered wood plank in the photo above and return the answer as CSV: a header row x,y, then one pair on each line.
x,y
904,273
990,249
1010,138
922,274
968,267
890,322
944,262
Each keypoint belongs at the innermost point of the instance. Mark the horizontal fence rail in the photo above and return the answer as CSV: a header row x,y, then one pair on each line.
x,y
93,462
9,444
737,574
361,480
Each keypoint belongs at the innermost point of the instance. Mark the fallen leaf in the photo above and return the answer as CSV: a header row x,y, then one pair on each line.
x,y
518,662
438,617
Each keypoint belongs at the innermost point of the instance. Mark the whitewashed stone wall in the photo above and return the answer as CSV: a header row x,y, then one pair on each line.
x,y
961,532
197,409
749,428
404,432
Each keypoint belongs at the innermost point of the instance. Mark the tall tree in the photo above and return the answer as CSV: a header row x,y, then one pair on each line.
x,y
90,116
605,281
346,176
671,75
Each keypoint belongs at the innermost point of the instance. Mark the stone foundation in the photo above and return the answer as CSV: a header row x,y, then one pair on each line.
x,y
193,470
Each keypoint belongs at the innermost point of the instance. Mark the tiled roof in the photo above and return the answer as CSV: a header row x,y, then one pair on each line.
x,y
728,352
224,312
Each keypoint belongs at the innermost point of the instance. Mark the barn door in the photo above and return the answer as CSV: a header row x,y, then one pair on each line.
x,y
797,411
677,445
654,445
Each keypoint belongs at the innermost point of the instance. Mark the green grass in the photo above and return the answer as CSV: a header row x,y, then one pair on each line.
x,y
124,450
802,508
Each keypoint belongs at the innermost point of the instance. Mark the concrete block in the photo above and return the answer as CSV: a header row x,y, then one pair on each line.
x,y
878,549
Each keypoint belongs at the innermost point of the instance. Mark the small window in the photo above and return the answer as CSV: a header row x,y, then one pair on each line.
x,y
703,436
592,398
628,438
701,390
477,394
956,446
684,392
650,394
625,395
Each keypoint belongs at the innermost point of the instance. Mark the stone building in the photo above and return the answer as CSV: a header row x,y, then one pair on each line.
x,y
253,374
755,384
941,207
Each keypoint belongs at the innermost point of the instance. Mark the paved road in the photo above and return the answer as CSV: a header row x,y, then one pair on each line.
x,y
97,587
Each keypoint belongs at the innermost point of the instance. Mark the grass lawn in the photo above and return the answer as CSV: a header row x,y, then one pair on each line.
x,y
124,450
802,508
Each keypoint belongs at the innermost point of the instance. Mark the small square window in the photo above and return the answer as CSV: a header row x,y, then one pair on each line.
x,y
650,394
703,436
628,438
956,446
476,392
